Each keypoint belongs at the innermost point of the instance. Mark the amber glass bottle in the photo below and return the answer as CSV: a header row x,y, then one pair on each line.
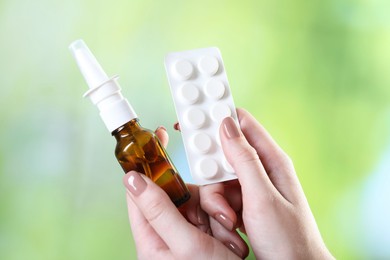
x,y
139,149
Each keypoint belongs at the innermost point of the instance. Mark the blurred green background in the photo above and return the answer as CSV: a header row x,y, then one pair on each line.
x,y
314,73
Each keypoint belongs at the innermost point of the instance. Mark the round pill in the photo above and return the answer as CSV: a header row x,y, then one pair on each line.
x,y
214,89
228,168
208,168
208,65
189,93
202,143
195,118
220,111
183,69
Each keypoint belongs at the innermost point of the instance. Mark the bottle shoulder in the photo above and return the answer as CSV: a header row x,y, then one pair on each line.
x,y
137,138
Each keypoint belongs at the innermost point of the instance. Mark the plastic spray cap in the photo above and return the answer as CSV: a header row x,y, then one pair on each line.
x,y
103,91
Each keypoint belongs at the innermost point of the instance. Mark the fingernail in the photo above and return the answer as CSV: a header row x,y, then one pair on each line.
x,y
176,126
161,127
226,222
202,216
230,128
134,183
234,248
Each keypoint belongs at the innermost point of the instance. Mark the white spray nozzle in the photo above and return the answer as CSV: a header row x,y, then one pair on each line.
x,y
103,91
93,73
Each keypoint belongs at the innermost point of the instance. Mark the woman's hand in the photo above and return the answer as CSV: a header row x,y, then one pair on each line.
x,y
267,202
161,231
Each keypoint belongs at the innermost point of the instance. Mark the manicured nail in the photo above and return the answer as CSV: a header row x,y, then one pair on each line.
x,y
234,248
226,222
176,126
134,183
230,128
161,127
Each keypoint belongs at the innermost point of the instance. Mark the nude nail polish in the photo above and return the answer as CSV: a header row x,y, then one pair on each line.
x,y
234,248
225,221
230,128
176,126
135,183
161,127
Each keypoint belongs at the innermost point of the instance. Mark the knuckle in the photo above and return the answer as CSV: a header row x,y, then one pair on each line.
x,y
155,209
288,161
281,162
285,163
246,154
207,203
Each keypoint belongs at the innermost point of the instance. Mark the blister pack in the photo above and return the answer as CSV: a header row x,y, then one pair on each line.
x,y
202,98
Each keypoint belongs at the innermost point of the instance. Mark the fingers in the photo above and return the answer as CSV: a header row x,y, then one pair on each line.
x,y
142,231
277,164
160,212
162,135
245,161
193,212
231,239
213,201
221,201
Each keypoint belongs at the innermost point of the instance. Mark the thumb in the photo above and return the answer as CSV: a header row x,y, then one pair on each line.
x,y
159,211
245,160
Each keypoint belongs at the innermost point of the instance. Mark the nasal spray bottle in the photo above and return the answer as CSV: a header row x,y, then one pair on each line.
x,y
137,148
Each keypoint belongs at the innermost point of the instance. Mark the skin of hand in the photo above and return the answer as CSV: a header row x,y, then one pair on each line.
x,y
161,231
267,202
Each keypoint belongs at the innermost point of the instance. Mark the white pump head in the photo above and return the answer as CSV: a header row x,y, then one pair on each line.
x,y
103,91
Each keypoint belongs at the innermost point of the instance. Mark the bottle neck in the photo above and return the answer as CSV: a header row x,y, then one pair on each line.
x,y
127,129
